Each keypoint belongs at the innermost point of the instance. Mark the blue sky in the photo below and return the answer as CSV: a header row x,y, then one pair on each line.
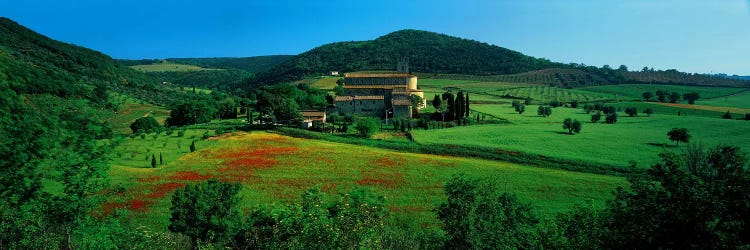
x,y
693,36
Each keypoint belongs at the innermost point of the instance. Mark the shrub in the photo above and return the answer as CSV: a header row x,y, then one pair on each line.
x,y
727,115
144,124
368,126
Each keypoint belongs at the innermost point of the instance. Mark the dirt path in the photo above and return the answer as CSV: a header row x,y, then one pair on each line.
x,y
704,107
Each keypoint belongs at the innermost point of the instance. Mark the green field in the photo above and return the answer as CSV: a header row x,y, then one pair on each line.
x,y
276,169
637,139
635,91
325,83
167,67
738,100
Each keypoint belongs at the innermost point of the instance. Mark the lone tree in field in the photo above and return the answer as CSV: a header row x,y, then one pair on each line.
x,y
611,118
572,126
631,111
544,111
647,95
679,135
192,147
648,111
691,97
661,95
520,108
527,101
588,108
574,104
596,117
153,161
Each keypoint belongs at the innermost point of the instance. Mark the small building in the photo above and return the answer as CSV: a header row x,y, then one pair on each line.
x,y
333,73
311,116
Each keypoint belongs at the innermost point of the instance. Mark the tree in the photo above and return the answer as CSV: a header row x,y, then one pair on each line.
x,y
611,118
691,97
648,111
574,104
647,95
588,108
554,103
192,146
727,115
153,161
747,117
674,97
520,108
144,124
161,159
450,105
460,103
544,111
436,102
190,113
572,126
623,68
688,201
205,211
631,111
596,117
527,101
367,127
466,107
679,135
515,103
661,95
477,216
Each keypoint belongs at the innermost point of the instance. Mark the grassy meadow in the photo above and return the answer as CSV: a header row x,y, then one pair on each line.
x,y
276,169
635,91
167,67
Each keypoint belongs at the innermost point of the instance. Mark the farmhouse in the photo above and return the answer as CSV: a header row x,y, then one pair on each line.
x,y
311,116
374,94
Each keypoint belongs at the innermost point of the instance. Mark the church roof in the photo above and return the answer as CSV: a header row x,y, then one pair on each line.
x,y
359,97
372,86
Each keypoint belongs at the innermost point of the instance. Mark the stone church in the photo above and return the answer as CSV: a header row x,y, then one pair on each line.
x,y
374,94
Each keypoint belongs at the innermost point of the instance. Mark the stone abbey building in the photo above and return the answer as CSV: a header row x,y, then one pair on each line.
x,y
374,94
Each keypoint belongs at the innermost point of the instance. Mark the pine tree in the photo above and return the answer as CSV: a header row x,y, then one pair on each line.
x,y
192,147
153,161
459,106
161,159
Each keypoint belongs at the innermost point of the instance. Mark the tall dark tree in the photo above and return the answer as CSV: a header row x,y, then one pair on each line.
x,y
596,117
436,102
466,107
448,99
661,95
631,111
460,103
153,161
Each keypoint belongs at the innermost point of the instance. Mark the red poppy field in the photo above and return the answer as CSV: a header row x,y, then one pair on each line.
x,y
275,169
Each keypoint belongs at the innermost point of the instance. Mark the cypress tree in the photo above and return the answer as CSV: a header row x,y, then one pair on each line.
x,y
161,159
459,106
466,107
153,161
448,98
192,147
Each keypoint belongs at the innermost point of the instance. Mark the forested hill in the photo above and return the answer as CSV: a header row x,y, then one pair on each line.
x,y
426,52
444,55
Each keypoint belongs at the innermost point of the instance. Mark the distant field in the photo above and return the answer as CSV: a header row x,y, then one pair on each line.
x,y
277,169
165,67
635,91
325,83
739,100
129,110
639,139
546,94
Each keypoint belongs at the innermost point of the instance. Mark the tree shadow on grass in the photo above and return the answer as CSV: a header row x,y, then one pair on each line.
x,y
662,145
560,132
